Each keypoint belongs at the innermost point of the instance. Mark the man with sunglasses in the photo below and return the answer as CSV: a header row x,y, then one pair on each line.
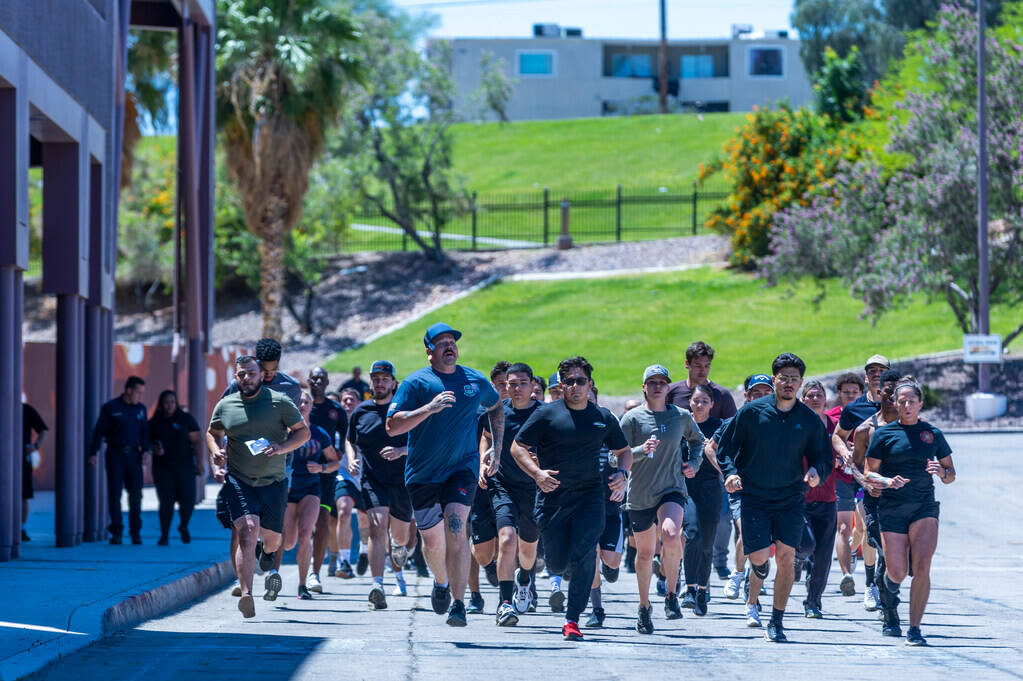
x,y
438,406
568,435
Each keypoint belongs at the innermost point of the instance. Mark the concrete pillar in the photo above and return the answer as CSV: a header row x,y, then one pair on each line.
x,y
17,377
94,502
69,460
10,451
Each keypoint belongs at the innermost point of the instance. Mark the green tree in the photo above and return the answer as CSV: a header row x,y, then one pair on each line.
x,y
842,25
839,90
282,70
152,65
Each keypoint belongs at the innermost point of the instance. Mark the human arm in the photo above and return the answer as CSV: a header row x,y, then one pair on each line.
x,y
874,476
99,432
403,421
354,462
298,435
693,437
545,479
496,414
727,450
331,464
943,468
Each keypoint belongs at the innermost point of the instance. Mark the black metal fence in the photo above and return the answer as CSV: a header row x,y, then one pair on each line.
x,y
533,220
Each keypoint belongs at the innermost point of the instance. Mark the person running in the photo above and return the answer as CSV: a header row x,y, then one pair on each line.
x,y
380,459
539,389
902,459
309,463
328,415
820,516
31,422
568,435
761,455
703,510
261,425
174,439
666,450
512,494
699,356
438,406
348,499
849,387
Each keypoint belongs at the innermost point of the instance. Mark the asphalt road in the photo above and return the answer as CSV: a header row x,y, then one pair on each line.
x,y
974,622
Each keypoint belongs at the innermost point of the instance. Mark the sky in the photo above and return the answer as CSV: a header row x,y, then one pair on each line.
x,y
601,18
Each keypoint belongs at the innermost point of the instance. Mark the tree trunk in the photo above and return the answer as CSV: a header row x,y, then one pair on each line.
x,y
271,283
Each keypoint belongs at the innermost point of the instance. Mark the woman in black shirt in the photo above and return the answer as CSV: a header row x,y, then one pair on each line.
x,y
174,439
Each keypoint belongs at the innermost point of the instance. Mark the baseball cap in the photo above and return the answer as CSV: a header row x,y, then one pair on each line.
x,y
554,381
382,366
436,330
760,379
878,359
656,370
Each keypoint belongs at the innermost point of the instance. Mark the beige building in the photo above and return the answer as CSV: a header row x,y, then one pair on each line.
x,y
575,77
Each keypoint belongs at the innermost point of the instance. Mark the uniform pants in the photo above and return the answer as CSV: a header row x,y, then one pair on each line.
x,y
818,544
722,539
124,471
701,523
174,484
570,526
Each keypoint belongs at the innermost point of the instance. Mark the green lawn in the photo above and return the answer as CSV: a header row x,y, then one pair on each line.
x,y
622,324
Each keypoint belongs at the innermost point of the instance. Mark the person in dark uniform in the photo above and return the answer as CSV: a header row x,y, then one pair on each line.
x,y
123,425
357,384
30,421
174,439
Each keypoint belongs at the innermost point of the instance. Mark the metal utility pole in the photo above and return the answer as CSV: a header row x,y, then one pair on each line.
x,y
662,61
983,373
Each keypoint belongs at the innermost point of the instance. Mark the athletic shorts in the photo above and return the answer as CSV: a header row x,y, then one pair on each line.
x,y
765,522
642,519
223,512
482,524
872,522
268,502
897,517
430,498
328,483
376,494
735,504
304,489
613,538
846,494
514,506
347,488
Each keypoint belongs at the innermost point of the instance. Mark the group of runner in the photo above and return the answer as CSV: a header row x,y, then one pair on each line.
x,y
512,473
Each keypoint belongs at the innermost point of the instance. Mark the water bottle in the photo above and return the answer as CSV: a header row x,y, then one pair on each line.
x,y
653,436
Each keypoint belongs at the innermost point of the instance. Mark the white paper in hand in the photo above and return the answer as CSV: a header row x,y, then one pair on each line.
x,y
257,447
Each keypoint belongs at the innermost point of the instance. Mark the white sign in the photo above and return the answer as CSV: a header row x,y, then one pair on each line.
x,y
980,349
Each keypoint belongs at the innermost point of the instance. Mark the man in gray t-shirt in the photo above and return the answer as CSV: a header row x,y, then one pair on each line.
x,y
666,448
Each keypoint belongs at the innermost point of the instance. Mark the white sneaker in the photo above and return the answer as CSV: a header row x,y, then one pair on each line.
x,y
752,615
871,598
399,556
523,596
400,589
313,582
734,585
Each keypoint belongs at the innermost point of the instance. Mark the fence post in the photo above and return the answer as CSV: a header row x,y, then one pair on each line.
x,y
546,223
564,239
618,213
474,221
695,204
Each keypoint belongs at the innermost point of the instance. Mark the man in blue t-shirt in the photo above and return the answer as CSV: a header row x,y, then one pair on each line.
x,y
438,407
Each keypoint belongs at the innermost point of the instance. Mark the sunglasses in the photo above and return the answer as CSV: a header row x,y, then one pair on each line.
x,y
569,382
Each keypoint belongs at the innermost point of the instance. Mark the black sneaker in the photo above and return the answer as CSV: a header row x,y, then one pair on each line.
x,y
775,632
689,600
273,585
672,611
914,637
702,596
163,541
186,536
610,573
136,540
362,565
644,624
456,615
491,571
440,599
116,539
377,599
596,619
892,625
266,560
24,535
476,603
303,593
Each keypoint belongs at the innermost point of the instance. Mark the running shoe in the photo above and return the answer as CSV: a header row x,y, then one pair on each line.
x,y
303,593
476,603
344,570
266,560
753,615
657,567
662,586
440,599
812,613
313,580
610,573
136,540
247,606
689,600
237,590
914,637
644,622
399,556
491,571
506,615
557,599
596,619
571,632
775,632
273,585
848,586
456,615
362,565
377,600
400,589
734,584
115,539
523,597
871,598
672,611
186,536
723,572
163,541
702,596
892,626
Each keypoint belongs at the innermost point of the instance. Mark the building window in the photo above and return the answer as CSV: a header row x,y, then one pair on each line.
x,y
631,66
765,62
697,66
535,63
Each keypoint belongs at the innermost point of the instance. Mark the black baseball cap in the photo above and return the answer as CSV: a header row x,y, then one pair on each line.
x,y
382,366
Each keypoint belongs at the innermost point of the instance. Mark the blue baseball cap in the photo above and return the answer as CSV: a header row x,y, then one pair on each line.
x,y
436,330
554,381
656,370
382,366
760,379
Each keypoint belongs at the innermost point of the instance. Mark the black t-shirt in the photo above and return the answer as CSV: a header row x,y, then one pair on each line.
x,y
172,433
708,428
332,417
569,441
360,385
905,450
30,421
723,407
856,412
367,434
508,472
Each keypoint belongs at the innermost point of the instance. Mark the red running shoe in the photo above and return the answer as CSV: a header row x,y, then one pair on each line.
x,y
571,632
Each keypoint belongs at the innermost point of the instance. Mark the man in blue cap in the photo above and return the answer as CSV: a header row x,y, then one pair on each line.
x,y
438,407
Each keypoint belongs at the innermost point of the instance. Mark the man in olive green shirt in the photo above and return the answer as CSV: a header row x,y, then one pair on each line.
x,y
261,425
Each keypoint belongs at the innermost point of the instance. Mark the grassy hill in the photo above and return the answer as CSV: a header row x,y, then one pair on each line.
x,y
623,324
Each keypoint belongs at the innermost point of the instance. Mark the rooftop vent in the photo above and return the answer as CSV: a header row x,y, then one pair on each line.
x,y
546,31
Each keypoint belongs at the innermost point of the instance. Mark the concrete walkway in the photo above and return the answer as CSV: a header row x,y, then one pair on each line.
x,y
62,599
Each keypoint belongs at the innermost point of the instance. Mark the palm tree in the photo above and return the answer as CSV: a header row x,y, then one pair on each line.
x,y
282,67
